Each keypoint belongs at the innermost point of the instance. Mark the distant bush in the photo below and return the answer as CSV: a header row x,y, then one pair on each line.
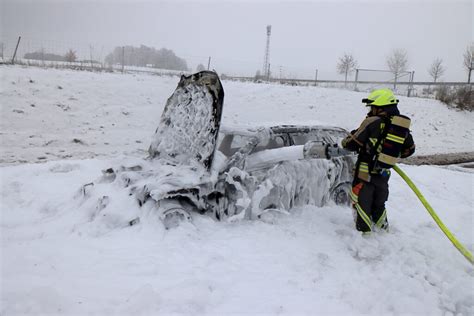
x,y
427,92
200,67
461,98
70,56
444,94
464,98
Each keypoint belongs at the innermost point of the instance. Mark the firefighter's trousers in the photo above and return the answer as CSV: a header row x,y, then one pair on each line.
x,y
368,201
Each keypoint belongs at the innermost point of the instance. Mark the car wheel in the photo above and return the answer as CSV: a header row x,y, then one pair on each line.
x,y
341,194
173,213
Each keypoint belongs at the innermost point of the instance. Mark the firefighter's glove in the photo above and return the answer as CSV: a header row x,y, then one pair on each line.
x,y
335,151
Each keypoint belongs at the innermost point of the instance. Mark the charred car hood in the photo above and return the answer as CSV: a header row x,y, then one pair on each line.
x,y
189,126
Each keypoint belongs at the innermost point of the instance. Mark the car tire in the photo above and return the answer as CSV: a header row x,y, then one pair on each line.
x,y
341,194
173,213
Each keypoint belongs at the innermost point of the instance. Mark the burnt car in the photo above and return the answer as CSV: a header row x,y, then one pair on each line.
x,y
231,172
280,167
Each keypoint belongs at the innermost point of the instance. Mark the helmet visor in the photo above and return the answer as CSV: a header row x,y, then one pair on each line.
x,y
367,101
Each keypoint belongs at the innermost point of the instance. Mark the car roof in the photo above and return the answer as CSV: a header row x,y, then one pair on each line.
x,y
255,130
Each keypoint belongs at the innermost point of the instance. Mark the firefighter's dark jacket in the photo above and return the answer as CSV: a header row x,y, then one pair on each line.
x,y
365,138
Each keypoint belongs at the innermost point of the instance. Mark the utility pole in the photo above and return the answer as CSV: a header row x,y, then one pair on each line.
x,y
16,48
209,63
266,60
3,44
316,78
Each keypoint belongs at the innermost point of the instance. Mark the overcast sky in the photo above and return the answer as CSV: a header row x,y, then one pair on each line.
x,y
305,35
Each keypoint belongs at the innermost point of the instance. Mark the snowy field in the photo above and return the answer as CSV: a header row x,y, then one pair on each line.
x,y
52,114
59,257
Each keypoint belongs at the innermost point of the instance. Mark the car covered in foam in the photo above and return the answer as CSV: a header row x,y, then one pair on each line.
x,y
195,165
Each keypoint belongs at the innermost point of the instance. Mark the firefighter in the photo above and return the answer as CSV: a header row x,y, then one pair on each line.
x,y
381,140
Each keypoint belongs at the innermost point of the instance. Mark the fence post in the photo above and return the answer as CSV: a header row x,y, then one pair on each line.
x,y
410,83
90,55
42,56
356,79
16,48
123,58
470,71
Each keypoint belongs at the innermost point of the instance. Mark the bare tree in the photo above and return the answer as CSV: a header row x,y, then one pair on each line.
x,y
397,62
70,56
346,65
200,67
436,69
469,61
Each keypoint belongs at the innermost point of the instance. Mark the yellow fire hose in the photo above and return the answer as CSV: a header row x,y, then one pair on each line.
x,y
438,221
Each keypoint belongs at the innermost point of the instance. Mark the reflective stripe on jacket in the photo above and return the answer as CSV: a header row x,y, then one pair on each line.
x,y
365,138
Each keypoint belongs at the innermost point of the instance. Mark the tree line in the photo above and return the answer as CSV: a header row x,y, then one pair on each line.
x,y
70,56
142,56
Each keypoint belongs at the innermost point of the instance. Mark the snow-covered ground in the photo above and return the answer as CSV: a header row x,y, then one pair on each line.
x,y
59,257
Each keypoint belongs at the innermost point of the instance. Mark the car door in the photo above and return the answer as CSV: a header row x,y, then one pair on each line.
x,y
342,167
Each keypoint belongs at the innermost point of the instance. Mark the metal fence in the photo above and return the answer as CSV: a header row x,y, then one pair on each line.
x,y
93,58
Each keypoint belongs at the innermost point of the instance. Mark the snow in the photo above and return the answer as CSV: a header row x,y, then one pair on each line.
x,y
63,254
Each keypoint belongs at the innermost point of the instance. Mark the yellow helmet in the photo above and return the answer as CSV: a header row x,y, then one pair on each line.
x,y
381,97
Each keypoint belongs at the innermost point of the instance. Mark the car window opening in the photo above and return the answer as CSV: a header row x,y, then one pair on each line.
x,y
271,143
231,143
